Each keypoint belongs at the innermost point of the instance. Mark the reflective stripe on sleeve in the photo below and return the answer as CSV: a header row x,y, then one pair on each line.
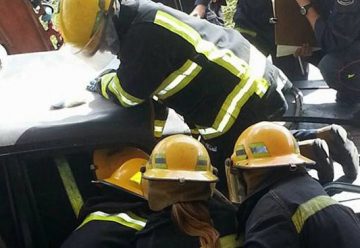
x,y
178,80
309,208
105,80
126,219
230,241
123,97
158,128
250,78
223,57
232,106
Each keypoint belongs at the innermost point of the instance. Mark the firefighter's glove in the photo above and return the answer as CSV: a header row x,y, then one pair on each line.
x,y
99,82
94,85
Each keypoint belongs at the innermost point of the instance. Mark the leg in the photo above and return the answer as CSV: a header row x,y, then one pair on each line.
x,y
341,71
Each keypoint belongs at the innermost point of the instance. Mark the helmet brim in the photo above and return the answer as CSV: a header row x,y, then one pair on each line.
x,y
113,184
180,175
285,160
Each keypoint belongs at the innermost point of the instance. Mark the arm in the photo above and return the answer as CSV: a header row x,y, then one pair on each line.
x,y
312,14
338,30
148,54
269,225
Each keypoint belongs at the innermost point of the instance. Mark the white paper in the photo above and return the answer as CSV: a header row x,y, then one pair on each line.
x,y
284,50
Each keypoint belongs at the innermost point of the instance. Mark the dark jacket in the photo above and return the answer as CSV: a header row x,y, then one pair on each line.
x,y
160,231
296,212
339,24
206,73
251,18
337,28
108,222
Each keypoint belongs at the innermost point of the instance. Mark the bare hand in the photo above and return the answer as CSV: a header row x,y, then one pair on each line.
x,y
199,11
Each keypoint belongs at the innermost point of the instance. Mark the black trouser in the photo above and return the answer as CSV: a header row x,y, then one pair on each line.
x,y
341,70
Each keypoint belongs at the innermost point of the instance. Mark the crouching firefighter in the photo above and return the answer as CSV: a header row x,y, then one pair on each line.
x,y
113,219
179,183
208,74
280,204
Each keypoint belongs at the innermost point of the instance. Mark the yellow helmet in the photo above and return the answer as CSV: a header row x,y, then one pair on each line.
x,y
267,144
179,170
128,176
107,161
179,158
78,20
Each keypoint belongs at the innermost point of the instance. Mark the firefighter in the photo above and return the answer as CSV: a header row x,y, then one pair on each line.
x,y
179,183
337,30
210,75
113,219
281,205
253,19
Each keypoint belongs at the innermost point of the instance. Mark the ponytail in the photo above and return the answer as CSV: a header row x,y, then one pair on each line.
x,y
193,218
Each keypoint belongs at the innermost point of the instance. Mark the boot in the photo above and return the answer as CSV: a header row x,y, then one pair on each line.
x,y
342,150
318,151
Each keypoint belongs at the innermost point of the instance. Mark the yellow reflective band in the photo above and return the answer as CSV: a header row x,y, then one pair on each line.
x,y
126,219
246,31
202,163
105,80
178,80
158,128
232,107
69,183
240,152
160,161
136,178
261,87
248,83
223,57
309,208
230,241
124,98
259,150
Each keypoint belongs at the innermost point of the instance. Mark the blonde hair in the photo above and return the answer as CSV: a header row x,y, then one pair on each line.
x,y
94,43
193,218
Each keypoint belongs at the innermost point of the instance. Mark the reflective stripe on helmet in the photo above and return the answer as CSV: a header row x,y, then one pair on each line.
x,y
126,219
309,208
250,82
178,80
222,57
